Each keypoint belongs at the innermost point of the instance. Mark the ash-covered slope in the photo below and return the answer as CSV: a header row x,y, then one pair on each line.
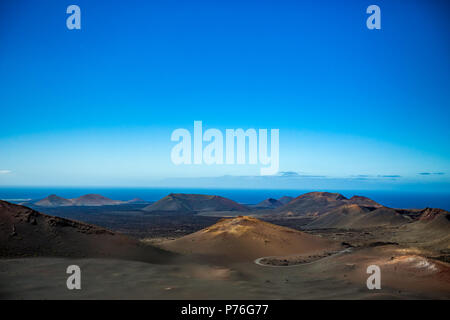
x,y
246,238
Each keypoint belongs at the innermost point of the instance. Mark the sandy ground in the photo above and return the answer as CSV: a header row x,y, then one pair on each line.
x,y
405,275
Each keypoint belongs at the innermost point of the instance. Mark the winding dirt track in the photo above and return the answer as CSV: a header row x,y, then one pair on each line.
x,y
258,260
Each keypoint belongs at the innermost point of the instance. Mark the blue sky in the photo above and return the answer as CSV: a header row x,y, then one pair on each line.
x,y
97,106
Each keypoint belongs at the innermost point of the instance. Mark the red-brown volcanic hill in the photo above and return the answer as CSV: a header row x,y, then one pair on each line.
x,y
314,204
180,202
353,216
429,214
269,204
247,238
54,201
94,200
431,221
363,201
25,232
286,199
432,226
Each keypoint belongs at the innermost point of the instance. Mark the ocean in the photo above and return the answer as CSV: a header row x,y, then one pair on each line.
x,y
395,199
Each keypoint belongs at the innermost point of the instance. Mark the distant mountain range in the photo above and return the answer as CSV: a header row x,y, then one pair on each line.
x,y
323,209
85,200
309,204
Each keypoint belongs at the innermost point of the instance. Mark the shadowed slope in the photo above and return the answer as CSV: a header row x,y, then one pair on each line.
x,y
25,232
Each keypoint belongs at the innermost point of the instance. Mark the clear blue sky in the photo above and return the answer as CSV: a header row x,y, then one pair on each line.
x,y
97,106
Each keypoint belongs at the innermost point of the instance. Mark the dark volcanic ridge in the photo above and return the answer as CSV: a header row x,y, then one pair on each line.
x,y
194,203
